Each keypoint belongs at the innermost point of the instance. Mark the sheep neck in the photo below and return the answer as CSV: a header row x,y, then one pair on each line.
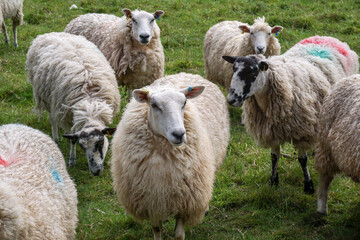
x,y
262,97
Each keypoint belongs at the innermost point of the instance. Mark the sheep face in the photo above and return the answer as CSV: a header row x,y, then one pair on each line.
x,y
142,24
95,144
260,37
166,111
249,78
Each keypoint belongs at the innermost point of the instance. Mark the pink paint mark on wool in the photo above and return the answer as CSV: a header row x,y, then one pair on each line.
x,y
327,41
3,162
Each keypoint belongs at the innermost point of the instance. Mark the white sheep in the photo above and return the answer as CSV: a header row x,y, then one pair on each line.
x,y
11,9
73,81
38,199
166,150
283,95
234,38
337,148
131,44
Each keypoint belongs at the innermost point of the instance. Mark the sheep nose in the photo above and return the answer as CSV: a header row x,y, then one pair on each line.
x,y
260,48
144,36
178,134
231,101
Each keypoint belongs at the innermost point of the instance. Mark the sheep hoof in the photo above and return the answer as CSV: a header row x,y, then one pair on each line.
x,y
274,181
71,163
309,187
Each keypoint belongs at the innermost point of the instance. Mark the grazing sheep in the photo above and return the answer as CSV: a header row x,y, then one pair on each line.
x,y
226,38
131,44
38,199
338,147
73,81
166,150
283,95
11,9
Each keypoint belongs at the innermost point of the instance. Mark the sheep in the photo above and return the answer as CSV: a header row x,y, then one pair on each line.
x,y
11,9
225,38
283,95
38,199
166,150
337,148
131,44
73,81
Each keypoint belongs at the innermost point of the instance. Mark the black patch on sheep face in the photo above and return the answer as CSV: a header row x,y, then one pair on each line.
x,y
246,71
93,144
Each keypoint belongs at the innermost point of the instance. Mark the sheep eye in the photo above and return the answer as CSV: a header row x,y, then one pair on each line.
x,y
152,21
252,33
154,106
269,34
184,105
134,21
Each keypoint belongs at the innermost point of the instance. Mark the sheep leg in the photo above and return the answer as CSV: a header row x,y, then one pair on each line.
x,y
72,156
157,230
179,229
54,130
5,33
275,153
15,36
323,192
308,183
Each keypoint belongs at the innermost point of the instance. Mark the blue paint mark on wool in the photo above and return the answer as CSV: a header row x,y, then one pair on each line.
x,y
54,172
319,52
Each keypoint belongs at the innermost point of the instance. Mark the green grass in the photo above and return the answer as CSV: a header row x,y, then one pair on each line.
x,y
243,205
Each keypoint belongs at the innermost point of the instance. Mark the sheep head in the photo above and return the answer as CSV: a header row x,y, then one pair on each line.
x,y
142,24
260,34
249,77
95,145
166,111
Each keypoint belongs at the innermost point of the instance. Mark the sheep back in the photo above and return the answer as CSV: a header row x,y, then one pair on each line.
x,y
299,80
11,9
338,145
65,69
155,180
135,65
38,199
225,38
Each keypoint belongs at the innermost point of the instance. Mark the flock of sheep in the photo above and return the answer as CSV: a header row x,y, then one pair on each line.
x,y
174,132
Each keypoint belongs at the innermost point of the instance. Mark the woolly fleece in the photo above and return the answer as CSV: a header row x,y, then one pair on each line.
x,y
135,65
226,39
338,145
298,82
154,179
72,80
33,203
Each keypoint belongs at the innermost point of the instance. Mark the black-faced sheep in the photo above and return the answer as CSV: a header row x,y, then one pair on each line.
x,y
74,82
283,95
38,199
11,9
166,150
338,145
131,44
234,38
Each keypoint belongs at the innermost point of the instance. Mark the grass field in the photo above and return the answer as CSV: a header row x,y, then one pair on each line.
x,y
243,205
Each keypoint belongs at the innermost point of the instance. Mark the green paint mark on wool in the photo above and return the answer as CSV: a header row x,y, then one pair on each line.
x,y
319,52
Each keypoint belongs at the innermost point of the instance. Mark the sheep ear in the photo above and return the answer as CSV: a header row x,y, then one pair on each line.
x,y
192,92
127,12
108,131
72,137
276,29
244,28
141,95
158,14
229,59
263,66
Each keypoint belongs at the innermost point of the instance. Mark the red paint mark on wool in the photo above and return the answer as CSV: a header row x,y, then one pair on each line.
x,y
3,162
327,41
